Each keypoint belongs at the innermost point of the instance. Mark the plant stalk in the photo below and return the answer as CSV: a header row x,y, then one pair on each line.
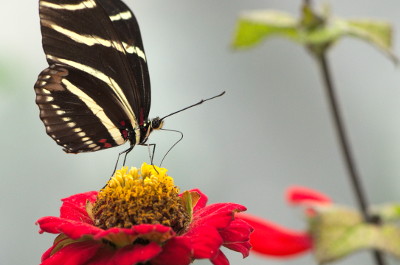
x,y
345,146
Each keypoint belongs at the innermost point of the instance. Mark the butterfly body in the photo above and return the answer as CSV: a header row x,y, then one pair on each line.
x,y
95,94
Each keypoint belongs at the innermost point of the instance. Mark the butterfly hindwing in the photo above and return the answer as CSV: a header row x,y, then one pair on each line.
x,y
72,118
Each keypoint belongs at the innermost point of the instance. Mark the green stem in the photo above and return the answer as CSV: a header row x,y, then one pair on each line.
x,y
344,145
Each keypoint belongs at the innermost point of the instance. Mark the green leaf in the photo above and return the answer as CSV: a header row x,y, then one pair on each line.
x,y
189,200
389,212
309,19
8,79
335,233
338,231
388,239
255,26
377,33
313,31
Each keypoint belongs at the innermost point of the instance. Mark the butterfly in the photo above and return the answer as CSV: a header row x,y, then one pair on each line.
x,y
95,94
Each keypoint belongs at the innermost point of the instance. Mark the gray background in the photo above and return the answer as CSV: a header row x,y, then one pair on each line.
x,y
271,130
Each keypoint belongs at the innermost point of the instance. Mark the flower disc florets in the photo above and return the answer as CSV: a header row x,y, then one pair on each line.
x,y
134,197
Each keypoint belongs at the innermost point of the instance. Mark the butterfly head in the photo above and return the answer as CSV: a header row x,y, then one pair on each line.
x,y
156,123
149,126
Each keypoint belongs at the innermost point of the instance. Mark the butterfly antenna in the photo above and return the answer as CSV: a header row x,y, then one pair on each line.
x,y
180,139
198,103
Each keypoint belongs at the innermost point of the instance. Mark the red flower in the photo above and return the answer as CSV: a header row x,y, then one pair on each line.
x,y
274,240
82,241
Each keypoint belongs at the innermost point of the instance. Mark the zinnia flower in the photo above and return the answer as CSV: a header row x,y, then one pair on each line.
x,y
274,240
140,218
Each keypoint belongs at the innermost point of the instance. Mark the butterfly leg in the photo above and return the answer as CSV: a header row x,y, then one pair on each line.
x,y
126,152
119,155
151,154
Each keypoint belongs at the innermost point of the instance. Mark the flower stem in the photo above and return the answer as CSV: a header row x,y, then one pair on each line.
x,y
344,145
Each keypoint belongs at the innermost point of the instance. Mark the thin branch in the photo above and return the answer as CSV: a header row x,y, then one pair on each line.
x,y
345,146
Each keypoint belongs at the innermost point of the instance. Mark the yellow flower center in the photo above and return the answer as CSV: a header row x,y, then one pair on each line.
x,y
146,196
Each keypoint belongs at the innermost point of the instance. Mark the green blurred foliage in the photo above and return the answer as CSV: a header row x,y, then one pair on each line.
x,y
338,231
10,75
315,31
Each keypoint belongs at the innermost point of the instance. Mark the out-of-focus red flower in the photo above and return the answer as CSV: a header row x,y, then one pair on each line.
x,y
91,234
274,240
297,195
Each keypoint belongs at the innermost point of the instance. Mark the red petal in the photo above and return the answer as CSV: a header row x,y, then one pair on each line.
x,y
74,207
204,229
74,254
205,241
219,215
298,195
162,231
236,236
105,256
134,254
76,230
176,251
148,228
220,259
72,229
47,253
271,239
129,255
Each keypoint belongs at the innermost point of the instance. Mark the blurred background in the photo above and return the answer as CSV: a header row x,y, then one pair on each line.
x,y
271,130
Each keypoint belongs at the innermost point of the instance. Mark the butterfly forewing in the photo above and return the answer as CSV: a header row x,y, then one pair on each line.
x,y
128,32
97,84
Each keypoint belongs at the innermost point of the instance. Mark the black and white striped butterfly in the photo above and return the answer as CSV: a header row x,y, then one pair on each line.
x,y
95,94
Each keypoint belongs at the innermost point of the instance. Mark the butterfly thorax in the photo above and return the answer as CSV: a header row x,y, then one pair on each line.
x,y
148,127
128,132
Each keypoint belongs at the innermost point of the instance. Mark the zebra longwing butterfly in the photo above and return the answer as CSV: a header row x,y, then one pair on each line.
x,y
95,94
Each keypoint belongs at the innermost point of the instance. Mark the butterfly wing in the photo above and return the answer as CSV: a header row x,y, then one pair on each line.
x,y
74,119
128,31
95,87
